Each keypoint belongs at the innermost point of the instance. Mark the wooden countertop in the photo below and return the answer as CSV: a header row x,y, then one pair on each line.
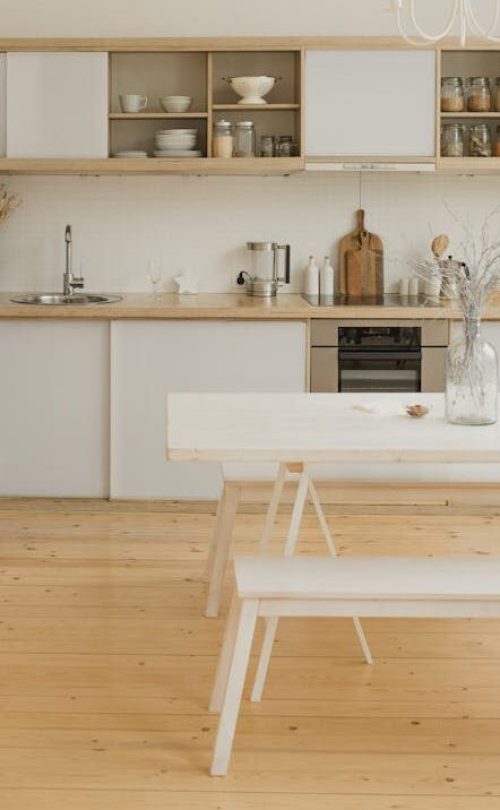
x,y
227,306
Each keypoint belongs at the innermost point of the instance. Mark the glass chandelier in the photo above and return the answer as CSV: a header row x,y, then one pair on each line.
x,y
462,19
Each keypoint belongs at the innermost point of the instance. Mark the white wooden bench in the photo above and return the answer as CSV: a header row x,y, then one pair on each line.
x,y
455,588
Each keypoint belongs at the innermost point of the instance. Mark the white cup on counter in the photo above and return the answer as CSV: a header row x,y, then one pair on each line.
x,y
413,286
132,102
404,287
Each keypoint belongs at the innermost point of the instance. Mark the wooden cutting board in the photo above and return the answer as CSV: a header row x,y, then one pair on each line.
x,y
361,262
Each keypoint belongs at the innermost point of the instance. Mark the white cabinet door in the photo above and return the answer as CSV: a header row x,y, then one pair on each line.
x,y
54,408
57,105
149,359
380,103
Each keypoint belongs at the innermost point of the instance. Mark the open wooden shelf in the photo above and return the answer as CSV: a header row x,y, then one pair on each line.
x,y
256,107
469,165
201,166
152,116
471,115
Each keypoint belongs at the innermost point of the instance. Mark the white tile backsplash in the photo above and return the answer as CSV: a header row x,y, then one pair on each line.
x,y
203,223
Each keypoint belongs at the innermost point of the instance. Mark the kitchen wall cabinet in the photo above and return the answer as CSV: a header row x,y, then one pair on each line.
x,y
57,105
54,408
377,103
149,359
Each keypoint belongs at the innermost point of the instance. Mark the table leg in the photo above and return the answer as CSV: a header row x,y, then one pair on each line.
x,y
273,507
219,547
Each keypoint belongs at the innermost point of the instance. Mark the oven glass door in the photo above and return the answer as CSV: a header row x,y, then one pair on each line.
x,y
380,371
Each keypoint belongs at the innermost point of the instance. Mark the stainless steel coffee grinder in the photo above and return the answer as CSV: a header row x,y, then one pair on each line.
x,y
263,277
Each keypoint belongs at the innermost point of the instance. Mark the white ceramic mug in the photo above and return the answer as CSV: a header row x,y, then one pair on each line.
x,y
132,103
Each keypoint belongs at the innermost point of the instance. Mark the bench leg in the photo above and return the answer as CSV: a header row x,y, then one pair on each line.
x,y
247,617
272,623
219,547
225,656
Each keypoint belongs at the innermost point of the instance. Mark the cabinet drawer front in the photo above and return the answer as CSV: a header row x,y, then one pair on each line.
x,y
324,370
57,105
386,99
324,333
433,370
435,333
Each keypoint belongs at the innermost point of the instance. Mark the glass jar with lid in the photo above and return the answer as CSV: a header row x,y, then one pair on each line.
x,y
479,141
244,139
497,141
497,95
479,95
452,94
222,140
453,140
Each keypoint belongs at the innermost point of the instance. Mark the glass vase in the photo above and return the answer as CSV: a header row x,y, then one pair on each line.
x,y
471,379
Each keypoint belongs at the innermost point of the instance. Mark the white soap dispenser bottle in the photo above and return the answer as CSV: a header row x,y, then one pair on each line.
x,y
311,278
327,278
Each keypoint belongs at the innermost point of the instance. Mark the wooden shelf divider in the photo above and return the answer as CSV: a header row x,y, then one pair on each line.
x,y
256,107
152,116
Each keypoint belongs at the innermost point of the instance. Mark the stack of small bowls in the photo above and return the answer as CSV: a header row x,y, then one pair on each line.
x,y
176,143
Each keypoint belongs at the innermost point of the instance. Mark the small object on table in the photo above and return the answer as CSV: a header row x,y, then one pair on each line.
x,y
413,288
417,410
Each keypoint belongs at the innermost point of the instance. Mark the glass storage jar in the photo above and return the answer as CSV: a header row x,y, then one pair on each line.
x,y
453,140
285,146
244,139
267,145
471,379
479,95
452,94
497,94
479,141
497,141
222,140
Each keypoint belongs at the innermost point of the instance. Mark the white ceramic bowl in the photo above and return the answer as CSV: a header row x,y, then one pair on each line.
x,y
176,104
252,88
176,141
171,132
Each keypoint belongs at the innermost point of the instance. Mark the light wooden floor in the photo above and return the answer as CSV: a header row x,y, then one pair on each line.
x,y
107,664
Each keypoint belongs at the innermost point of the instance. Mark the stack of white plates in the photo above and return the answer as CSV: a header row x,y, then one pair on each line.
x,y
130,153
176,143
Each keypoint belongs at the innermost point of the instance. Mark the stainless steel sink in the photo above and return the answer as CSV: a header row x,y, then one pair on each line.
x,y
57,299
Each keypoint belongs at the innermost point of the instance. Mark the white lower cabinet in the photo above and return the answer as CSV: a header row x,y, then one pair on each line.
x,y
54,408
151,358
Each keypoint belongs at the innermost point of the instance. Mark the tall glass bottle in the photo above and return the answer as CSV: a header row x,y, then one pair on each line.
x,y
471,379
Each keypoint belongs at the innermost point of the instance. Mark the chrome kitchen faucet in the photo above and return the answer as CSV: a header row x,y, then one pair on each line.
x,y
70,282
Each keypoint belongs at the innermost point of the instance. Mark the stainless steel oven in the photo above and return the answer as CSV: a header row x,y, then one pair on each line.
x,y
378,355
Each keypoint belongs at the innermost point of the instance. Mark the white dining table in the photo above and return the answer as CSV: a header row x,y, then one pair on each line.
x,y
300,435
321,428
295,431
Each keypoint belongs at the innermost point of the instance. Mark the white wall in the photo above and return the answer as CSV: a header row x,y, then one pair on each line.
x,y
203,223
80,18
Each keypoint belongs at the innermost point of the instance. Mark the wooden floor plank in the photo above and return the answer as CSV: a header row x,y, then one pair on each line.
x,y
106,663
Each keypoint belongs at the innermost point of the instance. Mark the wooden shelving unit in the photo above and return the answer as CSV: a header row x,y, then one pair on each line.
x,y
200,74
110,166
467,63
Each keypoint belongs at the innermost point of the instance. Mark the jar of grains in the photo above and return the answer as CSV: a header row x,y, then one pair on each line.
x,y
453,140
479,95
222,141
452,94
479,141
244,139
497,95
497,142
